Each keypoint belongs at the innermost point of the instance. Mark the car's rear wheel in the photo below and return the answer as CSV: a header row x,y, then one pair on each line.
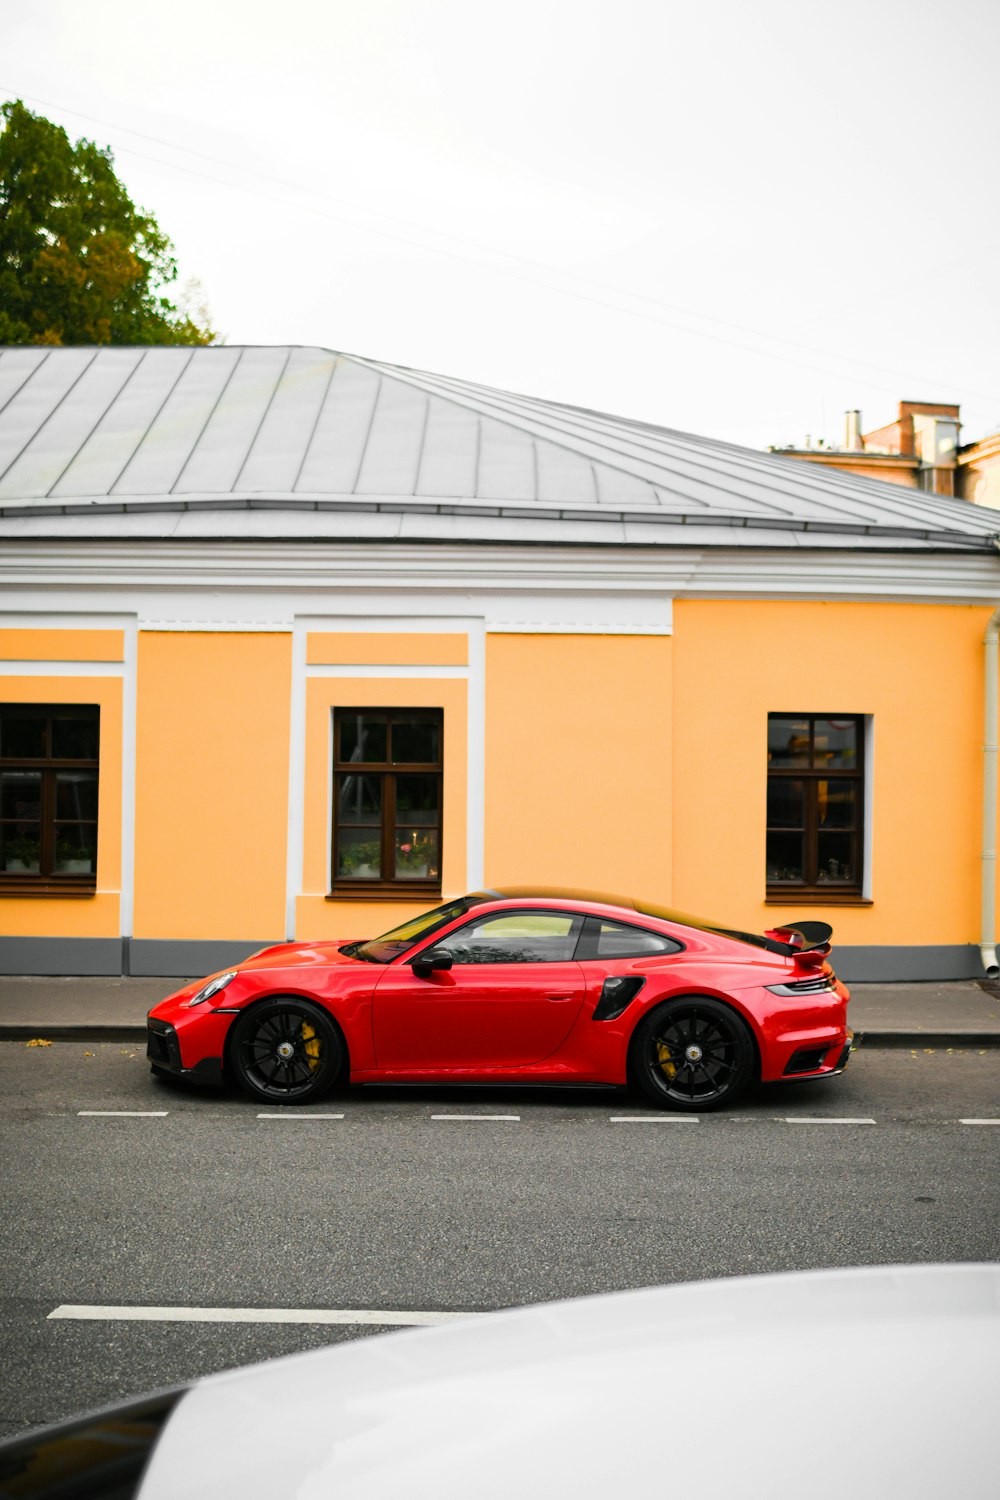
x,y
692,1054
286,1051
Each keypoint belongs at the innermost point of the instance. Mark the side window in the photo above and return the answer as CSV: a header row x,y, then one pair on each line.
x,y
604,939
49,768
530,937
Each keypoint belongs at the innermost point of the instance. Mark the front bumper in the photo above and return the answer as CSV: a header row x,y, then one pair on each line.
x,y
164,1053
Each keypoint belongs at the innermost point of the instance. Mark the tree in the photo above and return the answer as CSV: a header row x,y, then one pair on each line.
x,y
79,262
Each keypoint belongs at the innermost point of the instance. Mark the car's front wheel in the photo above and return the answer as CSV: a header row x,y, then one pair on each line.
x,y
692,1054
286,1051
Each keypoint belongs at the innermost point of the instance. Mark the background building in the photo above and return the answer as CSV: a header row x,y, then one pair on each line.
x,y
295,643
921,449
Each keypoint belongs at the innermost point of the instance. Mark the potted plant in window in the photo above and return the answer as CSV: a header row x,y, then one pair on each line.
x,y
73,859
415,857
360,861
21,855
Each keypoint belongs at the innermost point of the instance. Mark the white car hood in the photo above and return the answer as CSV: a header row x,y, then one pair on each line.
x,y
868,1382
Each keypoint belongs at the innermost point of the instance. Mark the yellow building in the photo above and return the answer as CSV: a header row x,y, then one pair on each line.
x,y
293,644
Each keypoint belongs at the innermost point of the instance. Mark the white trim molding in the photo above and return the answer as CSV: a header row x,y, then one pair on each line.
x,y
129,713
262,586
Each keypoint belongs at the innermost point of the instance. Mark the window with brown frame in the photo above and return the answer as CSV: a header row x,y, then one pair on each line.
x,y
49,762
815,804
387,800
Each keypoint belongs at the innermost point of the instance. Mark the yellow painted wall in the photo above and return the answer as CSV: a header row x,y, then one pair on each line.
x,y
99,914
918,669
635,764
62,645
317,917
578,761
387,648
212,784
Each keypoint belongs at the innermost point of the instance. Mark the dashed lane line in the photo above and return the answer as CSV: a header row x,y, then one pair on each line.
x,y
387,1317
654,1120
288,1114
666,1118
827,1120
124,1114
515,1119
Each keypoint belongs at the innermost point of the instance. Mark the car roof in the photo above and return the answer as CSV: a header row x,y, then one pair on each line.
x,y
638,905
578,897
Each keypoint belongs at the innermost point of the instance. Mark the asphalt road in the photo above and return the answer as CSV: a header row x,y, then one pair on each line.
x,y
390,1209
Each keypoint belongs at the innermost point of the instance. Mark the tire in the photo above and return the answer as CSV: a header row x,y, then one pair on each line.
x,y
286,1051
662,1056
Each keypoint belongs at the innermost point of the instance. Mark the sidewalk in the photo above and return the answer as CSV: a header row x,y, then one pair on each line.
x,y
883,1015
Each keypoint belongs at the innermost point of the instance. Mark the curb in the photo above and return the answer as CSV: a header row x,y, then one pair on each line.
x,y
926,1039
16,1032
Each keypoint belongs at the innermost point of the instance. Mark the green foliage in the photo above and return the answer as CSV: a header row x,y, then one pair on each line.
x,y
79,262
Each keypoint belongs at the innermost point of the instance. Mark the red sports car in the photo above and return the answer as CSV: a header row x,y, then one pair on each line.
x,y
520,985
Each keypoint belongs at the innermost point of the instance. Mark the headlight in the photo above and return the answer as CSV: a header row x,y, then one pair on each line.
x,y
212,988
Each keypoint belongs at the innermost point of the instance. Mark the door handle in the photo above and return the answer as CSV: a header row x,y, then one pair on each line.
x,y
559,997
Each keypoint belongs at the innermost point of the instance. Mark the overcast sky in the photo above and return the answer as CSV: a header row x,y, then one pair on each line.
x,y
730,218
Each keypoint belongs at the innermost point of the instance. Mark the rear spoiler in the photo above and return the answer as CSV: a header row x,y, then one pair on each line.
x,y
809,942
803,935
806,942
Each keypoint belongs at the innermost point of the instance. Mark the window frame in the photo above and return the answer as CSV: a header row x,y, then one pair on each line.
x,y
809,889
46,880
385,886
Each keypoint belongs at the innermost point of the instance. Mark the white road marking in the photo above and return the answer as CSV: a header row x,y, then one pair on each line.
x,y
476,1117
389,1318
124,1114
654,1120
294,1114
826,1120
993,1121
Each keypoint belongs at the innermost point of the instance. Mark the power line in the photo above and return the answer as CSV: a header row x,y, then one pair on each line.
x,y
549,286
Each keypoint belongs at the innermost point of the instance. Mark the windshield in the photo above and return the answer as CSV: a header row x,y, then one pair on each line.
x,y
382,950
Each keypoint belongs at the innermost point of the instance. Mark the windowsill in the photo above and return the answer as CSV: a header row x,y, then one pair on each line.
x,y
385,893
817,898
45,888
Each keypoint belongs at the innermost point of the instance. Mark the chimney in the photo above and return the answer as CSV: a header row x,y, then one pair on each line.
x,y
853,441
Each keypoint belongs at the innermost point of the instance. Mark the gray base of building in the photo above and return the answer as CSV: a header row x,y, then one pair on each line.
x,y
170,959
152,958
906,965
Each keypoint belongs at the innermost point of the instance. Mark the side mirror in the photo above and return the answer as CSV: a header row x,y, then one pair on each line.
x,y
428,962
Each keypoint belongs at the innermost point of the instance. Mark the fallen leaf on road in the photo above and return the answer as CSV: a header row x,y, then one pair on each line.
x,y
38,1041
88,1054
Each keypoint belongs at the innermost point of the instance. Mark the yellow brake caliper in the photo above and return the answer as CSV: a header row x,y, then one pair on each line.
x,y
312,1045
665,1060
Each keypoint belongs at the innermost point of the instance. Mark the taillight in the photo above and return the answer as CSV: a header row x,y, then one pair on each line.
x,y
820,984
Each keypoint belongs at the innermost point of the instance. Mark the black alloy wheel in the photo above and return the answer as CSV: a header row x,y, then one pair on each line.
x,y
286,1051
692,1054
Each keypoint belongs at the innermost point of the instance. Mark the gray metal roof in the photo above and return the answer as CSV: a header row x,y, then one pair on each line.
x,y
101,442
